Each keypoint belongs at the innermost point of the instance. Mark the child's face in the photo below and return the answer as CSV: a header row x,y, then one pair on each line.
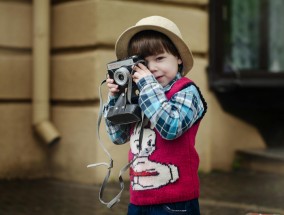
x,y
163,66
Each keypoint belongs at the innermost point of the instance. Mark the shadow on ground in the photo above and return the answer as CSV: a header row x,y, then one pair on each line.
x,y
234,193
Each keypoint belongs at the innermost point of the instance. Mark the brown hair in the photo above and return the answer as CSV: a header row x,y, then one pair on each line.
x,y
146,43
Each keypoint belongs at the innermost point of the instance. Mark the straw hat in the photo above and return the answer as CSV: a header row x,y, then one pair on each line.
x,y
160,24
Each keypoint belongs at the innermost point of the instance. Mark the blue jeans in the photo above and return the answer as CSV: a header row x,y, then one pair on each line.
x,y
179,208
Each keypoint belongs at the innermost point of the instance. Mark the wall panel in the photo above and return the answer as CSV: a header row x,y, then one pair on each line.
x,y
15,76
22,154
93,23
16,24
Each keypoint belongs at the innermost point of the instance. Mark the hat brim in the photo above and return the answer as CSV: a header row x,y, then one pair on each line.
x,y
121,46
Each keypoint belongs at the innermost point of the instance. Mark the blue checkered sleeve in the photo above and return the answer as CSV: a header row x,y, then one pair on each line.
x,y
170,117
118,134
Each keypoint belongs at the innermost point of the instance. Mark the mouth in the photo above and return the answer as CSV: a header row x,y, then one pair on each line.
x,y
158,77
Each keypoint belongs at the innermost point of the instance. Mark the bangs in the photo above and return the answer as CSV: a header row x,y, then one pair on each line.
x,y
147,43
146,47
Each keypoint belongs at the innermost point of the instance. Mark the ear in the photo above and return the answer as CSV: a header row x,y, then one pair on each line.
x,y
179,61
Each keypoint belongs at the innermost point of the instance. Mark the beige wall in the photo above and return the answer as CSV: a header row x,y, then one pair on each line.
x,y
83,34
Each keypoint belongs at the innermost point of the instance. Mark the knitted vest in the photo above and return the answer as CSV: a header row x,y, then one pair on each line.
x,y
165,171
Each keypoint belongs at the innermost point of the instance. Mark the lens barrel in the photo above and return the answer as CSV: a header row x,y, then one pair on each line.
x,y
121,76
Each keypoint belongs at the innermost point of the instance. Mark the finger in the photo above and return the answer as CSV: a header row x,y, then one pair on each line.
x,y
114,90
142,66
136,75
112,85
135,79
110,81
135,68
138,72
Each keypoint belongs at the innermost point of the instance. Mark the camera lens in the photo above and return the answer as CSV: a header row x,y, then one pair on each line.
x,y
121,76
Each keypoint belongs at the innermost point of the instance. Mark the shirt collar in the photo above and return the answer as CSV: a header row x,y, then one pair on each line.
x,y
169,86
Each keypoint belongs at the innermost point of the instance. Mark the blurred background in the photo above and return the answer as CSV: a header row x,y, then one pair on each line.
x,y
53,57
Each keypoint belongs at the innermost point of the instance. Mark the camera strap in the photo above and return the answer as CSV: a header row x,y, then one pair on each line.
x,y
109,165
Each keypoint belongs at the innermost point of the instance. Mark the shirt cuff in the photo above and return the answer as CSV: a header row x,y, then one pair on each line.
x,y
112,100
145,81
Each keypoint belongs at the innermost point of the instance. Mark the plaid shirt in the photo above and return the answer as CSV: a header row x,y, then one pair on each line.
x,y
171,117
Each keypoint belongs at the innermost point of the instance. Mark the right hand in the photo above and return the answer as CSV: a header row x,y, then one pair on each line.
x,y
113,88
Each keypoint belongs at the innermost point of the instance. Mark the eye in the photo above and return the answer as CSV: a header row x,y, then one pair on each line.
x,y
160,58
149,142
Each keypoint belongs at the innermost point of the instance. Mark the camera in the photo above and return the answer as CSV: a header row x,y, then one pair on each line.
x,y
121,72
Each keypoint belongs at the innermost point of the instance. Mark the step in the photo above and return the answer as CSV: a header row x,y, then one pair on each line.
x,y
269,160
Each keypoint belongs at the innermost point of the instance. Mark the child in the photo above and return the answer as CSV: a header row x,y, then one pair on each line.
x,y
164,177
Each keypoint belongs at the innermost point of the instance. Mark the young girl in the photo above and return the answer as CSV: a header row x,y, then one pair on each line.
x,y
163,176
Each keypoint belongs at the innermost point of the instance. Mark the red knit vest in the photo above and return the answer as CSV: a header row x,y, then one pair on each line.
x,y
166,171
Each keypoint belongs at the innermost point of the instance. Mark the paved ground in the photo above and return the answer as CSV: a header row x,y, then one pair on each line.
x,y
235,193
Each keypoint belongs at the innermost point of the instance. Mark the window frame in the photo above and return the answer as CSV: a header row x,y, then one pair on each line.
x,y
221,81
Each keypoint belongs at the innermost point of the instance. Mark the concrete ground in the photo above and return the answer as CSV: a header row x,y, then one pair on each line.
x,y
236,193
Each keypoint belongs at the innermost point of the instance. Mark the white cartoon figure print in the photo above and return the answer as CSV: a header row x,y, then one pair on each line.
x,y
147,174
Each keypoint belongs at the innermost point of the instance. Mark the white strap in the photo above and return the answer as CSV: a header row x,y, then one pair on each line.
x,y
109,165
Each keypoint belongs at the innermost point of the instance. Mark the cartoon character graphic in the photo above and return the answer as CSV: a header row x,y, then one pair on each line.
x,y
147,174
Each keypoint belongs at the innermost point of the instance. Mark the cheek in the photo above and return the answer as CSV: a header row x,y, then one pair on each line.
x,y
172,70
169,67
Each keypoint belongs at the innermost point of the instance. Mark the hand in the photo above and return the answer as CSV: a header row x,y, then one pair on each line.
x,y
140,72
113,88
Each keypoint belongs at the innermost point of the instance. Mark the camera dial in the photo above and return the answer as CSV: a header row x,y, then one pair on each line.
x,y
121,76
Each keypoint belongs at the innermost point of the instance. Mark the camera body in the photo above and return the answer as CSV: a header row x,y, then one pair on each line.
x,y
121,72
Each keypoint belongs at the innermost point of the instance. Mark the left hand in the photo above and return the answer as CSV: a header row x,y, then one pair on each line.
x,y
140,72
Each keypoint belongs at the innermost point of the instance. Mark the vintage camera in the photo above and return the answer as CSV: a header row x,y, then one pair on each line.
x,y
121,72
